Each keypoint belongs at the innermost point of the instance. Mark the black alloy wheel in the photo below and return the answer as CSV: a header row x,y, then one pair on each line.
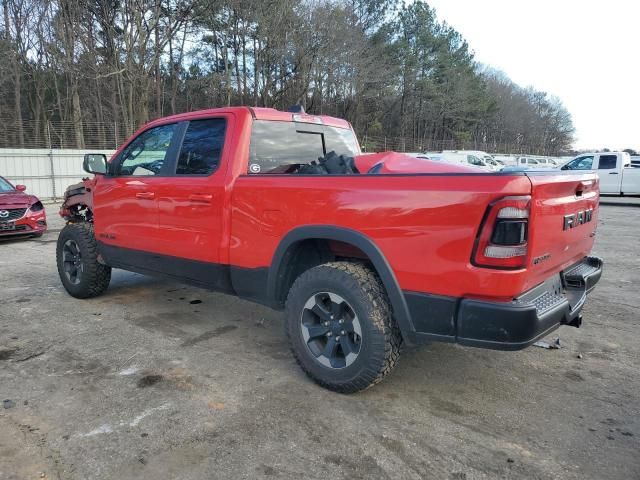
x,y
331,330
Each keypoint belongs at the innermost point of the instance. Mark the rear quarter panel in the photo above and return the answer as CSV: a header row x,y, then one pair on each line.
x,y
425,225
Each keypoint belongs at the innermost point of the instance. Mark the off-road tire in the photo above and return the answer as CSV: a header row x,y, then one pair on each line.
x,y
95,276
381,340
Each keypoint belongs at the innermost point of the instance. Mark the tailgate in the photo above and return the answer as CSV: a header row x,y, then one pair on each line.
x,y
563,221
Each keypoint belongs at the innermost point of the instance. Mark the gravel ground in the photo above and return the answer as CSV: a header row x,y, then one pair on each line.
x,y
157,380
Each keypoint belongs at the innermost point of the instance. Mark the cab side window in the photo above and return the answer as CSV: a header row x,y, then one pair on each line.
x,y
147,153
607,162
580,163
202,147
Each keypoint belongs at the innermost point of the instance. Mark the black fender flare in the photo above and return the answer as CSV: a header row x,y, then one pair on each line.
x,y
353,237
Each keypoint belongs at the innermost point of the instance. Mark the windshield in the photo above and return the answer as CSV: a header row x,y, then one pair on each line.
x,y
5,187
473,160
283,147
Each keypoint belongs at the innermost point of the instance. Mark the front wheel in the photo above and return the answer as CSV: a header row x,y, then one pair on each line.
x,y
340,326
77,259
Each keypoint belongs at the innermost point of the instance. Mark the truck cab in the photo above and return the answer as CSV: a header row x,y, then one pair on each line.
x,y
617,175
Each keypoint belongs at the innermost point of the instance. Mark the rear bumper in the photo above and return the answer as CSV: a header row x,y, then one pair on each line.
x,y
505,326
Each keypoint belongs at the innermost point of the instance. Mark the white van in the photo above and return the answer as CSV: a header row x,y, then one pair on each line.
x,y
547,162
487,161
506,160
527,161
464,158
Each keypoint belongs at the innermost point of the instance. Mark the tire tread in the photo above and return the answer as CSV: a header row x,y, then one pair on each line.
x,y
97,275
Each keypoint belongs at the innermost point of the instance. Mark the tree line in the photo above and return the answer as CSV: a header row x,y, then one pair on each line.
x,y
102,68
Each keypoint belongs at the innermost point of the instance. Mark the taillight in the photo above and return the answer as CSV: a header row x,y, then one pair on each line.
x,y
502,239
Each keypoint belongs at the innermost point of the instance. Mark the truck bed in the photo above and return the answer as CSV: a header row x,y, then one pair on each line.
x,y
425,224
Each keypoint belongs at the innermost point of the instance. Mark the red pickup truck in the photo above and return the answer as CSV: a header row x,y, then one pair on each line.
x,y
363,252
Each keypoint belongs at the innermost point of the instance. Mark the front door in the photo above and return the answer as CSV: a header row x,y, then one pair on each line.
x,y
126,201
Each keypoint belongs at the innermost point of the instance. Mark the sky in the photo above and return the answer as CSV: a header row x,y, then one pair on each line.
x,y
585,52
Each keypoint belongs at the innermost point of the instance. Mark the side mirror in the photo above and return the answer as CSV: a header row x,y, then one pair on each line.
x,y
21,188
95,163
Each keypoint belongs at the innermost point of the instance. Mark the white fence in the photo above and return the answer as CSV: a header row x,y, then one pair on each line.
x,y
46,173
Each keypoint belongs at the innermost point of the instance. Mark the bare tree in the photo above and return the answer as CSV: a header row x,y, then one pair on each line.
x,y
95,70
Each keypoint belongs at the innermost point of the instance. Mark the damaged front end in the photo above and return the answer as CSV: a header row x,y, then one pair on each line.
x,y
78,202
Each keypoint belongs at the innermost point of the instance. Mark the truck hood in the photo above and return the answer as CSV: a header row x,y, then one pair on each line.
x,y
394,162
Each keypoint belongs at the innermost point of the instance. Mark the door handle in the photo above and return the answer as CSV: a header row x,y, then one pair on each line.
x,y
145,195
201,197
613,173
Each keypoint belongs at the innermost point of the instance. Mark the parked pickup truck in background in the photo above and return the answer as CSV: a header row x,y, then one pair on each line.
x,y
617,176
363,252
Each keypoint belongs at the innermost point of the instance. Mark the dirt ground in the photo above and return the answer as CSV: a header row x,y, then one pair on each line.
x,y
157,380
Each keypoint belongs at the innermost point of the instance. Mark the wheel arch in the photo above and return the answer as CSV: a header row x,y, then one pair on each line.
x,y
278,271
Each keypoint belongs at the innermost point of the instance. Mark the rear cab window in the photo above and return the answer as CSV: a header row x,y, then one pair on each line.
x,y
279,147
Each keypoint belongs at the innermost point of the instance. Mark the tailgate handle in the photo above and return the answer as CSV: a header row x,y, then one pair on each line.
x,y
145,195
582,186
201,197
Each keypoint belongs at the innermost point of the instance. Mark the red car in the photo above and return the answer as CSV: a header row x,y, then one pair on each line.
x,y
364,252
20,213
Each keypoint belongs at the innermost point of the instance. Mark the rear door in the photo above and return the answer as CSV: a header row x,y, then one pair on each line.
x,y
191,205
563,221
609,171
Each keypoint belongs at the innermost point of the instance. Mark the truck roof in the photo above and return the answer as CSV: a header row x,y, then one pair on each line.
x,y
601,152
258,113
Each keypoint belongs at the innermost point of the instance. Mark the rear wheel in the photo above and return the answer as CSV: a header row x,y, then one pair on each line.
x,y
77,259
340,326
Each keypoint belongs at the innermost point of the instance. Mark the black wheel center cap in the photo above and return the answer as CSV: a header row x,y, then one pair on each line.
x,y
331,330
